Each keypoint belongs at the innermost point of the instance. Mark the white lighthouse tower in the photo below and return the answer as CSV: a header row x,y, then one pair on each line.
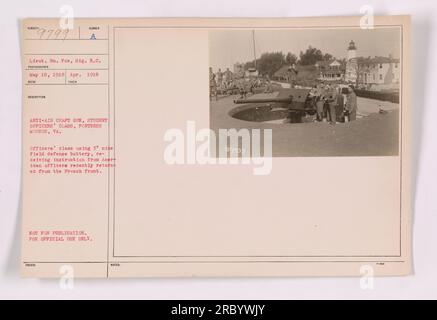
x,y
351,63
351,51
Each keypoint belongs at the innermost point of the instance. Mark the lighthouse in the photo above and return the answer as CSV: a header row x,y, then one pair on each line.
x,y
351,50
351,74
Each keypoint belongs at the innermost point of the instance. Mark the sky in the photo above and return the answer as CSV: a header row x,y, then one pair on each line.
x,y
230,46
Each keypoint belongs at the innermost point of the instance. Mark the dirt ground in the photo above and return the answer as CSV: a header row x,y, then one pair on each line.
x,y
372,134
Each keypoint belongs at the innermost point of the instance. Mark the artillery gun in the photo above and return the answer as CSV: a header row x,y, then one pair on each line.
x,y
294,102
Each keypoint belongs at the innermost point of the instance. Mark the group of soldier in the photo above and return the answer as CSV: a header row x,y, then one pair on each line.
x,y
220,81
228,83
334,103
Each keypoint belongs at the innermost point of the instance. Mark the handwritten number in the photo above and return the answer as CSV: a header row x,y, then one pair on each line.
x,y
41,32
55,34
66,31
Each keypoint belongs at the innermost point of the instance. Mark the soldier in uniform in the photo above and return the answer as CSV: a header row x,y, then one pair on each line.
x,y
292,75
228,77
326,94
319,101
331,104
219,78
339,106
351,104
212,85
268,84
241,84
332,107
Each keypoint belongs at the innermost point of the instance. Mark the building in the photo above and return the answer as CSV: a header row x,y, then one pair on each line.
x,y
298,75
332,70
282,74
251,73
351,72
377,73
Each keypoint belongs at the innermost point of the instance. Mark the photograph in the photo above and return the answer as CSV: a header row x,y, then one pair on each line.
x,y
322,91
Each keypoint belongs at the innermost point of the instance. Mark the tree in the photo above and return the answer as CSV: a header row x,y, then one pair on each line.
x,y
310,56
327,57
268,63
290,58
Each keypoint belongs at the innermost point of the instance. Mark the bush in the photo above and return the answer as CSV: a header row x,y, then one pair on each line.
x,y
377,95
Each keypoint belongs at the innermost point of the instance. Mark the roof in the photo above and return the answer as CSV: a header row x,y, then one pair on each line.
x,y
334,72
376,60
322,63
334,62
304,74
282,71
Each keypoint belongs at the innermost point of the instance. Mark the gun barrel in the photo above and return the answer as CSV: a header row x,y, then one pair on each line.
x,y
265,100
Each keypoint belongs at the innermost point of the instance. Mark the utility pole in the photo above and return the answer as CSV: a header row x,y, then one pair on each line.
x,y
254,51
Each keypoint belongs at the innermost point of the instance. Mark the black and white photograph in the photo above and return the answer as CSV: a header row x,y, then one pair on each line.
x,y
322,91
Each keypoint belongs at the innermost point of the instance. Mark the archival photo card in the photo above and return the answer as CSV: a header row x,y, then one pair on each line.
x,y
216,147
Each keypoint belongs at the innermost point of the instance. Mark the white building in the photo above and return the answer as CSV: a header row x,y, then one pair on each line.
x,y
374,73
332,70
351,73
